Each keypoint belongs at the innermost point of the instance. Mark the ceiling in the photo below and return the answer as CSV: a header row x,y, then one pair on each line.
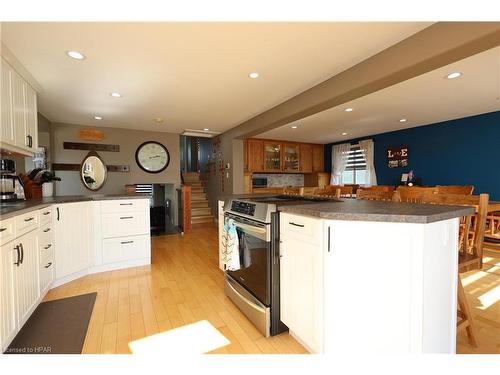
x,y
422,100
192,75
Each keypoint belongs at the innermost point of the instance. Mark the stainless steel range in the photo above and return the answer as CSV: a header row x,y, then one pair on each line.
x,y
254,288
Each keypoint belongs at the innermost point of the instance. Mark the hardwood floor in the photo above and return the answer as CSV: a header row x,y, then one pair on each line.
x,y
183,285
483,293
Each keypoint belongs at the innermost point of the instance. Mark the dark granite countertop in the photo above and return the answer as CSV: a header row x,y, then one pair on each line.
x,y
11,209
364,210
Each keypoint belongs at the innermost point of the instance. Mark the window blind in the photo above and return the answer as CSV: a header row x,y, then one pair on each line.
x,y
356,159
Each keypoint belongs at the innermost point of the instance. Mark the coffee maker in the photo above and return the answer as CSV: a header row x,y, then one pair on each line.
x,y
11,187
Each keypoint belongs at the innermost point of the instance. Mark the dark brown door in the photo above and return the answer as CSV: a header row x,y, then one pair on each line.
x,y
255,155
318,164
306,158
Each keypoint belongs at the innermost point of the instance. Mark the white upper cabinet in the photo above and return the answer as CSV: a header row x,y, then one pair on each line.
x,y
19,124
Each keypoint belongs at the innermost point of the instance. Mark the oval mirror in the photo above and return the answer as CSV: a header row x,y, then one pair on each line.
x,y
93,171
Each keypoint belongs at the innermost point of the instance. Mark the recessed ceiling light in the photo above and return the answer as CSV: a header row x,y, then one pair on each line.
x,y
254,75
294,127
453,75
116,95
344,133
75,55
349,109
97,118
206,129
158,120
403,120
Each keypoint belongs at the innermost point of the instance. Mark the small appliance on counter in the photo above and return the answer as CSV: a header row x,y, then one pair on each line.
x,y
258,182
11,187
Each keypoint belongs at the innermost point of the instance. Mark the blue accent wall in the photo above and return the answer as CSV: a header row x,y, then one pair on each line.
x,y
465,151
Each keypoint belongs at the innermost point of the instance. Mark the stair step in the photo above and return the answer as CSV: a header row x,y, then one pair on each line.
x,y
202,219
204,211
198,197
199,204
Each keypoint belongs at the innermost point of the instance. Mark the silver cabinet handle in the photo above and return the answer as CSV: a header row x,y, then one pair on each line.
x,y
2,229
126,204
125,242
46,230
29,219
296,225
48,265
48,246
46,213
126,217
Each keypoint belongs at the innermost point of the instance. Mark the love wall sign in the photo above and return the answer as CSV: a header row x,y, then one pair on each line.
x,y
397,157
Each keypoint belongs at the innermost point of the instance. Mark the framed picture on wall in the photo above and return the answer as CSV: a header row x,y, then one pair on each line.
x,y
397,156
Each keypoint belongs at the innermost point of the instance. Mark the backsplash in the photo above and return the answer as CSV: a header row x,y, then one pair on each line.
x,y
282,179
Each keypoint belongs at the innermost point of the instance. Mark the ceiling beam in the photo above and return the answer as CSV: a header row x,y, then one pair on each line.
x,y
438,45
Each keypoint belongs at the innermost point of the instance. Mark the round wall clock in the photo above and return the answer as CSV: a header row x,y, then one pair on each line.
x,y
152,157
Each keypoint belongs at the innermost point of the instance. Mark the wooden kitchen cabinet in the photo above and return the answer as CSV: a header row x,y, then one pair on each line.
x,y
254,155
291,155
306,158
318,158
273,156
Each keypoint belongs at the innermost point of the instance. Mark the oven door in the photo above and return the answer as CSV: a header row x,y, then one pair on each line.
x,y
255,257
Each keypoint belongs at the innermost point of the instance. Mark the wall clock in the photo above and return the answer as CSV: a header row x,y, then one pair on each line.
x,y
152,157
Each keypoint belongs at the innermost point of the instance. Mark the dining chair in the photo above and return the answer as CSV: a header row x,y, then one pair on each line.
x,y
379,188
308,190
412,194
455,189
470,256
375,195
492,233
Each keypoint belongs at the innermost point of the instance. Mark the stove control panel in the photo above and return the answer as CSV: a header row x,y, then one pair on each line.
x,y
244,208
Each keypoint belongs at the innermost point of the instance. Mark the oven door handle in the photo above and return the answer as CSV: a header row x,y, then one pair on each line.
x,y
260,233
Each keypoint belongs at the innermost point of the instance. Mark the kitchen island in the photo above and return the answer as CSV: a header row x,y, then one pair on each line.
x,y
370,276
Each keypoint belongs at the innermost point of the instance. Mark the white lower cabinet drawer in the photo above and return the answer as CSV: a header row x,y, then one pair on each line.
x,y
7,232
124,205
125,224
45,215
26,222
46,272
126,248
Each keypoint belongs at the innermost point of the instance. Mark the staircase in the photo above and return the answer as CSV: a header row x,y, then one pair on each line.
x,y
200,208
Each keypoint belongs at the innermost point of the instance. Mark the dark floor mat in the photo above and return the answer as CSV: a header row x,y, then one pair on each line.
x,y
55,327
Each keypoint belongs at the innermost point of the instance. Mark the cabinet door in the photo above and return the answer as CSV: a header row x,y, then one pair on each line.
x,y
255,155
31,117
18,110
301,290
8,322
306,158
318,158
272,156
26,277
7,124
291,154
72,238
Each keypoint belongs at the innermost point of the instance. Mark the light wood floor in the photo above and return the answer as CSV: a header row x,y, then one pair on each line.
x,y
483,292
184,285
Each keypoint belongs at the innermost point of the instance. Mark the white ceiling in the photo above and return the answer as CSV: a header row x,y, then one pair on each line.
x,y
193,75
422,100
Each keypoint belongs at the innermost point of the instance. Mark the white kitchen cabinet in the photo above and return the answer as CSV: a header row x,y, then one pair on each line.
x,y
6,118
8,320
301,282
19,123
26,284
73,238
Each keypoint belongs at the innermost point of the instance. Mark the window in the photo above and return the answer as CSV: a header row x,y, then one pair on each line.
x,y
355,172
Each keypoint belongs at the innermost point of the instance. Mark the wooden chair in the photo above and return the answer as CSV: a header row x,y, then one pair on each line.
x,y
328,193
292,190
471,237
308,190
346,191
380,188
375,195
355,187
492,233
455,189
412,194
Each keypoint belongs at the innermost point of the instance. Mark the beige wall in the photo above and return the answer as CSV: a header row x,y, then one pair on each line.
x,y
128,140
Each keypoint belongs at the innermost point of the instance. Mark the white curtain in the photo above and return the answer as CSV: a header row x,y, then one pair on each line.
x,y
367,147
339,162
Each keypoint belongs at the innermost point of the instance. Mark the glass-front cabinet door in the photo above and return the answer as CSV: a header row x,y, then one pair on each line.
x,y
272,154
291,158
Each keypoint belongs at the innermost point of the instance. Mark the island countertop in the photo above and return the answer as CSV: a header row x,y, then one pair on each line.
x,y
365,210
11,209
